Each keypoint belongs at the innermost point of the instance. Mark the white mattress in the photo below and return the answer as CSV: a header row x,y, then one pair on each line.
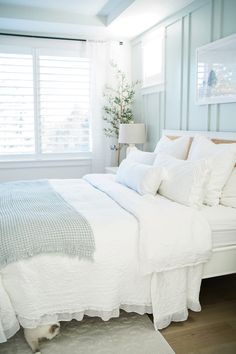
x,y
223,224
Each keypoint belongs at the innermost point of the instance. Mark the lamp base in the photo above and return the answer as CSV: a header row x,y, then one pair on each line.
x,y
129,148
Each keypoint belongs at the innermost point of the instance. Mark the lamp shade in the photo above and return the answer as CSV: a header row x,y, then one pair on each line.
x,y
132,133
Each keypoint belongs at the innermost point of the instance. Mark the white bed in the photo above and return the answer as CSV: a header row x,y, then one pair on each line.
x,y
223,224
222,219
142,263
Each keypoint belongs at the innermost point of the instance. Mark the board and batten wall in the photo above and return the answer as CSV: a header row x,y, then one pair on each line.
x,y
174,107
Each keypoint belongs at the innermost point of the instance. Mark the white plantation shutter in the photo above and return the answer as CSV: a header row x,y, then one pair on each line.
x,y
16,104
51,98
44,100
64,89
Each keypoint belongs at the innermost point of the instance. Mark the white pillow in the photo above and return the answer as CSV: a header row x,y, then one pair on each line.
x,y
185,181
142,178
144,157
177,148
223,158
228,196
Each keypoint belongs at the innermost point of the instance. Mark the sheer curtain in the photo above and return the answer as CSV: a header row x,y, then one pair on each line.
x,y
102,74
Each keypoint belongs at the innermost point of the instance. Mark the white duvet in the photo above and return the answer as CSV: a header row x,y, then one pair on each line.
x,y
148,259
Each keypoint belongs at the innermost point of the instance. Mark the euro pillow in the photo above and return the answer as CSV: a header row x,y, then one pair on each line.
x,y
142,178
185,180
223,159
177,148
228,196
144,157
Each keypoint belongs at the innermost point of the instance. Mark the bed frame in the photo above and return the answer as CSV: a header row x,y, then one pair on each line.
x,y
223,260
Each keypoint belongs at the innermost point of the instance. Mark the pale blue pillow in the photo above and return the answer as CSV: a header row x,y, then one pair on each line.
x,y
144,179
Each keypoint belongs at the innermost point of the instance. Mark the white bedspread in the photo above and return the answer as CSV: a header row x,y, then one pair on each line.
x,y
148,258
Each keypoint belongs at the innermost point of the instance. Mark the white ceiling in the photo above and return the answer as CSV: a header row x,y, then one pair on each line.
x,y
92,19
84,7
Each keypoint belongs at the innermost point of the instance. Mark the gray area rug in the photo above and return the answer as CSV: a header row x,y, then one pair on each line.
x,y
130,334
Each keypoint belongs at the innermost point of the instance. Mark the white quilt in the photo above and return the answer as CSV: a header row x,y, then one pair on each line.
x,y
148,258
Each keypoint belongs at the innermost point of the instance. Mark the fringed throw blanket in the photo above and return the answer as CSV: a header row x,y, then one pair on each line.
x,y
35,219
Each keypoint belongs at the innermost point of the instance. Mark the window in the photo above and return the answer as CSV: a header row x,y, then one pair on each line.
x,y
44,104
64,104
16,104
153,58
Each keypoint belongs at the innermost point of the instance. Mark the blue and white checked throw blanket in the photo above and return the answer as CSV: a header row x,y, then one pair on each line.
x,y
34,219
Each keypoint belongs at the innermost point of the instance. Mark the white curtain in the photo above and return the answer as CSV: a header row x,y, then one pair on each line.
x,y
101,54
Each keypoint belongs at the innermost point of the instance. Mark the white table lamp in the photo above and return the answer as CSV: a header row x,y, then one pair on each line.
x,y
132,134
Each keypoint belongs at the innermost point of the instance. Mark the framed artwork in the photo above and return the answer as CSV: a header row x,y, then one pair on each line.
x,y
216,72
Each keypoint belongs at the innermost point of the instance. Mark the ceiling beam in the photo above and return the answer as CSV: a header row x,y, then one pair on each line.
x,y
112,9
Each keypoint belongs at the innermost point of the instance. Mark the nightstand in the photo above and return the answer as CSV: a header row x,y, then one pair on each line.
x,y
111,170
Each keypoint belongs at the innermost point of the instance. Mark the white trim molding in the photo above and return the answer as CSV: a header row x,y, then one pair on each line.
x,y
45,163
148,90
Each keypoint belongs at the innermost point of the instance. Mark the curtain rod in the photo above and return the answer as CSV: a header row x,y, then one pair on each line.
x,y
48,37
43,37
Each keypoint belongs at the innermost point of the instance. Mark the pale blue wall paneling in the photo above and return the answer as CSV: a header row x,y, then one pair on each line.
x,y
200,34
146,105
136,76
173,75
227,112
228,17
200,23
152,106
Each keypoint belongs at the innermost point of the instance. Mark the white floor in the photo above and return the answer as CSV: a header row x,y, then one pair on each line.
x,y
128,334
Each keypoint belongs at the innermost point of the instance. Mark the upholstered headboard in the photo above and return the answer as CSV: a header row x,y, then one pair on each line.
x,y
216,137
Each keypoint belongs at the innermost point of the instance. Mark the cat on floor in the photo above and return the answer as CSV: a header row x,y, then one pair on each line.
x,y
33,335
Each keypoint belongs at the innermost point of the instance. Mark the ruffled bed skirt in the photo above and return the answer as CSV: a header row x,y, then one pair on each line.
x,y
79,315
104,315
173,293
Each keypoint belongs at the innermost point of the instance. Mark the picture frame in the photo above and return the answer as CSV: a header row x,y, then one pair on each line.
x,y
216,72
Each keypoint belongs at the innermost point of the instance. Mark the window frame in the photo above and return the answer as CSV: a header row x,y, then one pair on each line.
x,y
34,47
155,82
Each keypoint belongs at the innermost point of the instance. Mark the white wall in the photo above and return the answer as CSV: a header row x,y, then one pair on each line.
x,y
10,171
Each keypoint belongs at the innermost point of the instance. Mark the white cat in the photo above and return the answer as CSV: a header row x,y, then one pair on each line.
x,y
33,335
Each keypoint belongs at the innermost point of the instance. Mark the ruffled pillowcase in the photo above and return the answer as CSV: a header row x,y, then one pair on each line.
x,y
222,159
177,148
144,179
185,180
